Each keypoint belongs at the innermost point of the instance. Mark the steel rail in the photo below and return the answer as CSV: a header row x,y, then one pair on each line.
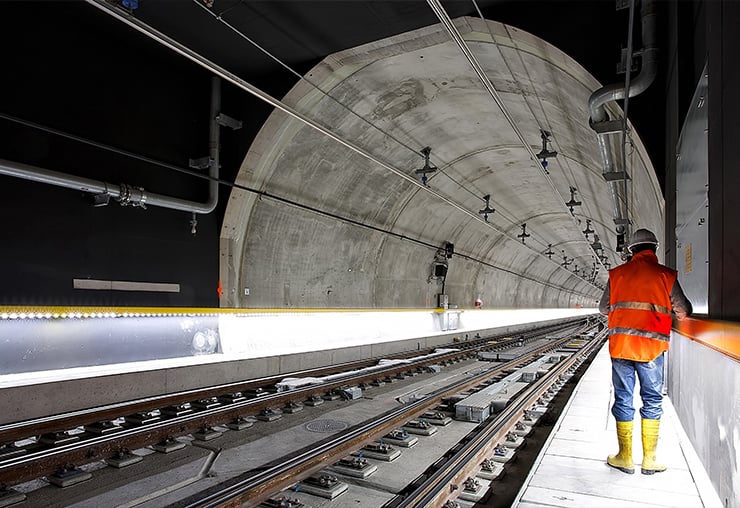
x,y
444,484
37,460
55,423
253,488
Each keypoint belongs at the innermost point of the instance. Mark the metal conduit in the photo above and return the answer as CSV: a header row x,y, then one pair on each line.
x,y
214,146
128,194
191,55
478,69
616,91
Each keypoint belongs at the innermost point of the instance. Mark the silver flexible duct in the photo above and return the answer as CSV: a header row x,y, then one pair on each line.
x,y
616,91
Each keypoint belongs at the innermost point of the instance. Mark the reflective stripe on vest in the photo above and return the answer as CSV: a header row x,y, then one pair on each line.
x,y
639,333
640,306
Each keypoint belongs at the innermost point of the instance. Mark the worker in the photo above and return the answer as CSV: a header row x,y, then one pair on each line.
x,y
638,299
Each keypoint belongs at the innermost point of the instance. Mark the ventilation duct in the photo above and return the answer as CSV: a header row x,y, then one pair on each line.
x,y
604,126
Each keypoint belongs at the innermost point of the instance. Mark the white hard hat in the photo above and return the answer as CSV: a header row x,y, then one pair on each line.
x,y
642,236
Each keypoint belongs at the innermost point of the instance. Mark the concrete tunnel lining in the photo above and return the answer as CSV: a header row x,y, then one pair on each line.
x,y
267,243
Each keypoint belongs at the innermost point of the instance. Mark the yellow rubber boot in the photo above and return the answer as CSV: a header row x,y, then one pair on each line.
x,y
650,429
623,459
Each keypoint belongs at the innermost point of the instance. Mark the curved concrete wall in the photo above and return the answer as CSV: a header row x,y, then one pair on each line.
x,y
418,90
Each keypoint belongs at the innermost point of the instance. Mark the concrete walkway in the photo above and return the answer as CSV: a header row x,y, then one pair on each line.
x,y
572,471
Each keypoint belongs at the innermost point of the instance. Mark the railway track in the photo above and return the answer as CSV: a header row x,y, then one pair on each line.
x,y
255,487
441,486
67,441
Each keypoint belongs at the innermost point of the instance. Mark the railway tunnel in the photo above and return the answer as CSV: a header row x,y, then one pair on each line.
x,y
206,193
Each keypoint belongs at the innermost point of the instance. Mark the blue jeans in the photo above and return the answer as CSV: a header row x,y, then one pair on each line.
x,y
651,388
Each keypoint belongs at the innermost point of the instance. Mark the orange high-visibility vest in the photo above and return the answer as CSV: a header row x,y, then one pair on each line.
x,y
640,308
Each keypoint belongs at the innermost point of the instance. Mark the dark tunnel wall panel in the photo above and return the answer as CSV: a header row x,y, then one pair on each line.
x,y
62,237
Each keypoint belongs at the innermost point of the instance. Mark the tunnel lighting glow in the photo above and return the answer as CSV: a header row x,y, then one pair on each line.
x,y
328,318
278,334
197,338
80,314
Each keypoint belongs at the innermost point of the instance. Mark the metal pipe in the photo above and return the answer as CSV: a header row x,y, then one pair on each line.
x,y
616,91
644,79
214,144
627,78
128,194
195,57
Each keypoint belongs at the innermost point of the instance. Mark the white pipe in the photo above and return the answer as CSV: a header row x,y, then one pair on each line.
x,y
128,194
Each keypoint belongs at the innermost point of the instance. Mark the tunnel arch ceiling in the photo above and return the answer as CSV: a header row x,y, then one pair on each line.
x,y
417,90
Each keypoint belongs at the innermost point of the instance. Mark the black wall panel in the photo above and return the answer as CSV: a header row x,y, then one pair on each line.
x,y
68,67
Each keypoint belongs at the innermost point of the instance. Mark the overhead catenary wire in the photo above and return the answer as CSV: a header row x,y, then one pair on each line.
x,y
482,76
97,144
440,166
276,198
531,110
627,77
562,156
179,48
